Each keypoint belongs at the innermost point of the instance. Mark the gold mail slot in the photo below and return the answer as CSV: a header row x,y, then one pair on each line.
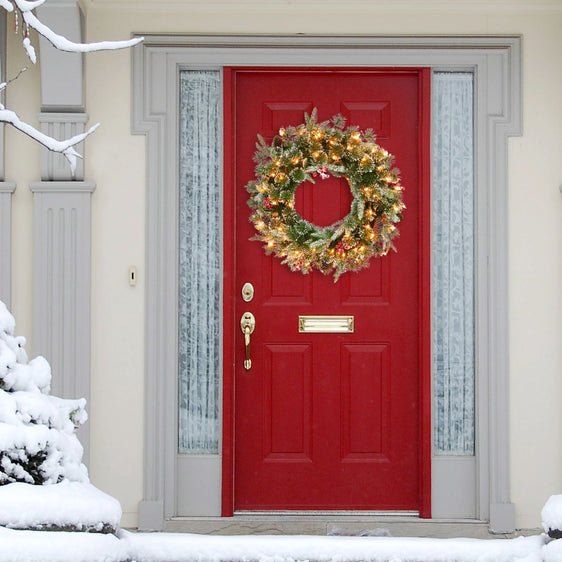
x,y
326,324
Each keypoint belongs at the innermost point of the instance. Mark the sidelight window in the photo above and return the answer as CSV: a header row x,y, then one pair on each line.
x,y
452,275
199,262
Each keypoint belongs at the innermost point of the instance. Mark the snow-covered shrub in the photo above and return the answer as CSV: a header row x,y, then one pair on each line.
x,y
38,444
551,516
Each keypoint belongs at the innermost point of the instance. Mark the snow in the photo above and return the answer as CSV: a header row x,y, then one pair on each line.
x,y
34,376
168,547
20,408
43,482
62,454
48,546
30,50
552,552
551,514
27,546
68,503
7,321
37,431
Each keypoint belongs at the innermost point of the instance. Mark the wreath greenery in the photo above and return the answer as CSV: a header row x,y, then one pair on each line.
x,y
312,150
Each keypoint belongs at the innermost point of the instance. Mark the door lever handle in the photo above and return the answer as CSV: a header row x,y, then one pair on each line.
x,y
247,325
247,361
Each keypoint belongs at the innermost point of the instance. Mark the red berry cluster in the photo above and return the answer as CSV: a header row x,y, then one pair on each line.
x,y
341,247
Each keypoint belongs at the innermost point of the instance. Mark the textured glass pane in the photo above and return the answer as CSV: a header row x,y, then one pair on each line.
x,y
199,262
453,263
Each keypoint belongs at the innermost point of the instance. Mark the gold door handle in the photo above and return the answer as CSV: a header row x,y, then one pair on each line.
x,y
247,325
247,361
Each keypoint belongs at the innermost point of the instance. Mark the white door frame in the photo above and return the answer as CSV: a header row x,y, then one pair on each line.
x,y
496,64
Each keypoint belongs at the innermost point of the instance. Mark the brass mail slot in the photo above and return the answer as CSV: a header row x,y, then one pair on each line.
x,y
326,324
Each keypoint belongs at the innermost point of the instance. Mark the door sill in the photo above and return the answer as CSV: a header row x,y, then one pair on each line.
x,y
396,524
334,514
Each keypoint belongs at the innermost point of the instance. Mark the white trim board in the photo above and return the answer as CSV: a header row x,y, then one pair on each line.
x,y
496,63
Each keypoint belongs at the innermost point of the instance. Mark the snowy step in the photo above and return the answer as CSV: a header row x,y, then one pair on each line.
x,y
50,546
169,547
37,546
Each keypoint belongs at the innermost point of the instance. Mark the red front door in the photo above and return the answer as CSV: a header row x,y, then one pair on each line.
x,y
329,421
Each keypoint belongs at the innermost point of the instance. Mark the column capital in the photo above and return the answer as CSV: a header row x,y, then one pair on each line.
x,y
7,186
62,187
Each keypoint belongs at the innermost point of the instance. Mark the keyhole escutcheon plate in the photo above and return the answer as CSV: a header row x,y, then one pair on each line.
x,y
247,292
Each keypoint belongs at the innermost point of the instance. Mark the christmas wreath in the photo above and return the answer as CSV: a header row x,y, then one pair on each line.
x,y
318,150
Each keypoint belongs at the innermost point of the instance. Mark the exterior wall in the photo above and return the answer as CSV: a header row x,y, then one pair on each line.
x,y
116,163
535,257
21,166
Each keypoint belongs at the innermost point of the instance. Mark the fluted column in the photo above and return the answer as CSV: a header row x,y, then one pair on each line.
x,y
6,190
61,285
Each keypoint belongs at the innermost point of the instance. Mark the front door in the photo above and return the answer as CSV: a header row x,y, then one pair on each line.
x,y
330,421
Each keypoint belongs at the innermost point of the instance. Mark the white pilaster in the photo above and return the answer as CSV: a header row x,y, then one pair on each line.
x,y
6,190
61,285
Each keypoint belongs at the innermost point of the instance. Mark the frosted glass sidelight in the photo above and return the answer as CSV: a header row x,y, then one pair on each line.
x,y
452,268
199,262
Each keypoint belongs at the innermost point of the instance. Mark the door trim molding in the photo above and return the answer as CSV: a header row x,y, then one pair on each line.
x,y
496,62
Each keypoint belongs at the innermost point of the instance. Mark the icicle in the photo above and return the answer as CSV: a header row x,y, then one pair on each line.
x,y
29,50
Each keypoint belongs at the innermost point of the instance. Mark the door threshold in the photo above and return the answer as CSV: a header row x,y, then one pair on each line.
x,y
336,514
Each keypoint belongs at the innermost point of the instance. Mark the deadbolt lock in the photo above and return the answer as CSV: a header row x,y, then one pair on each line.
x,y
247,292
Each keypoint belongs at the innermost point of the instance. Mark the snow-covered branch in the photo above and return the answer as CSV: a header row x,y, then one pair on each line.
x,y
65,147
25,8
7,5
59,41
25,5
63,44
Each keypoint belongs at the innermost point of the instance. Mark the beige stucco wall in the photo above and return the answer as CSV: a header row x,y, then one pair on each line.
x,y
21,167
116,162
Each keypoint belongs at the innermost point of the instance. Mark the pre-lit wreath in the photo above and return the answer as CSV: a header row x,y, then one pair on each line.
x,y
318,150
